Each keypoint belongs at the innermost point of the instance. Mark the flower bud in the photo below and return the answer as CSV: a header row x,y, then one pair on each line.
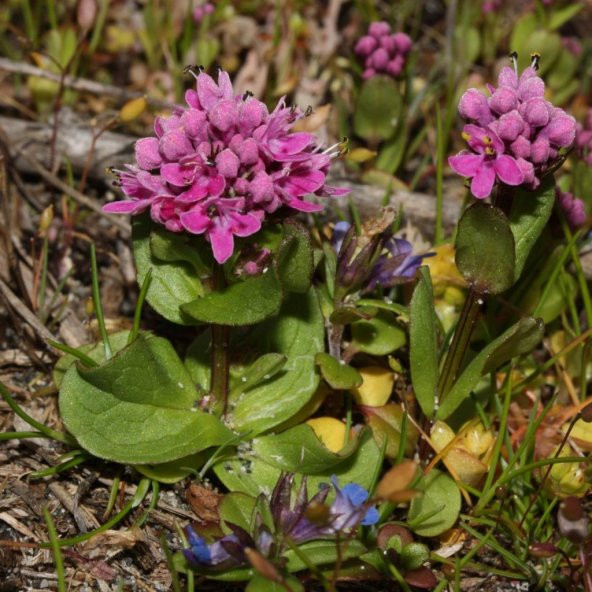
x,y
86,14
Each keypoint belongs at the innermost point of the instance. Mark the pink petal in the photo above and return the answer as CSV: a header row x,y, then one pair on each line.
x,y
508,171
225,85
303,206
175,145
245,224
177,175
291,144
304,182
483,181
507,77
379,59
195,221
148,154
208,92
466,165
227,163
216,185
365,45
224,115
222,242
379,28
126,206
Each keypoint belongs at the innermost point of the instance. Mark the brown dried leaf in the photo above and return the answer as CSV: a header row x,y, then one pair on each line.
x,y
204,502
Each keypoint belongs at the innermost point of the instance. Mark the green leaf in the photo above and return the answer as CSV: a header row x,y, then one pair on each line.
x,y
173,282
299,450
378,109
238,509
295,259
423,347
391,154
174,471
467,41
338,375
170,247
519,339
260,583
560,16
297,333
529,215
95,351
138,407
378,336
263,368
244,303
437,509
545,43
322,553
485,252
252,475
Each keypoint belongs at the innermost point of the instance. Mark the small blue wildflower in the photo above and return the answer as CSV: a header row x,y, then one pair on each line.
x,y
201,553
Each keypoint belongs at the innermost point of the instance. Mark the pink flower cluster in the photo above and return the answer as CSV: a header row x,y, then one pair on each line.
x,y
219,166
573,208
514,135
201,11
584,139
383,52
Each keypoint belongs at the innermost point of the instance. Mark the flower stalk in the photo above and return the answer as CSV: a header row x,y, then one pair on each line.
x,y
460,342
220,366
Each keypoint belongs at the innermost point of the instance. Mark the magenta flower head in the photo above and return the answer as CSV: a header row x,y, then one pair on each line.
x,y
584,139
514,135
573,208
220,165
382,51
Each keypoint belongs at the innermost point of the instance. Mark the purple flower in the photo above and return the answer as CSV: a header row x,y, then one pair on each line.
x,y
584,139
486,163
514,135
368,266
220,165
398,266
199,12
214,554
573,208
348,510
382,51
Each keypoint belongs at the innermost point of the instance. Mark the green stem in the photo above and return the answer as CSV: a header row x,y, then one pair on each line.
x,y
220,360
460,343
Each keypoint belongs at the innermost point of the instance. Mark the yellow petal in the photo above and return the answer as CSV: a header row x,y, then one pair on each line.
x,y
330,431
377,385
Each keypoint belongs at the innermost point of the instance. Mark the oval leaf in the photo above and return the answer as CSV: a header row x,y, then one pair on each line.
x,y
485,253
244,303
138,407
437,509
295,259
299,450
337,374
529,214
378,109
175,279
423,347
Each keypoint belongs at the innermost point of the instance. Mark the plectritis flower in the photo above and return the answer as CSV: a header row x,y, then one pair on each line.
x,y
200,12
514,135
382,51
220,165
573,208
584,139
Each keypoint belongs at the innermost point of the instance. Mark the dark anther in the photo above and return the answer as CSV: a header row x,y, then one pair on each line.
x,y
534,60
514,55
200,68
188,68
308,111
248,94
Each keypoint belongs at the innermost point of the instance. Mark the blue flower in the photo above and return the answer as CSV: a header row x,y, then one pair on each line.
x,y
347,511
349,507
201,553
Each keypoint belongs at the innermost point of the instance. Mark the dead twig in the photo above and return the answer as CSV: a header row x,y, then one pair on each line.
x,y
82,199
81,84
